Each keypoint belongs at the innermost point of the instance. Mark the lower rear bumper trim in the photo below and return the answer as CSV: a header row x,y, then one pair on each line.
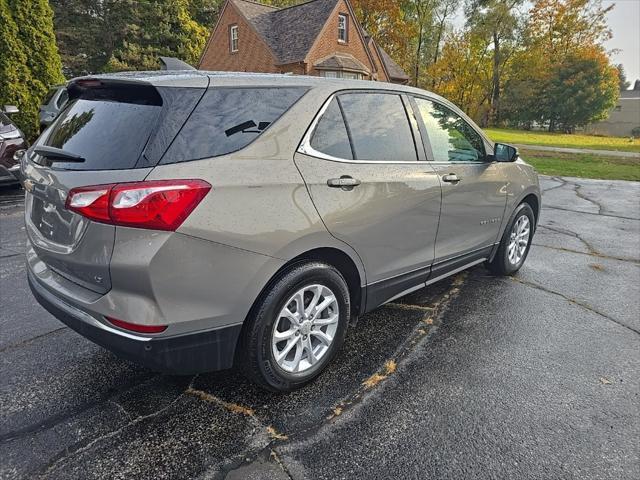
x,y
181,355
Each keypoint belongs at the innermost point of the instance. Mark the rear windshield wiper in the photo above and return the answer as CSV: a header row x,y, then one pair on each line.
x,y
54,154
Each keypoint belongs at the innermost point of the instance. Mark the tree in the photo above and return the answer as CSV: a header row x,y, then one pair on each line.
x,y
623,83
106,35
582,89
30,62
495,19
463,73
562,77
15,77
159,29
389,23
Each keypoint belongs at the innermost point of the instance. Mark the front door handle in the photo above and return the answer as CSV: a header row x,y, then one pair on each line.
x,y
451,178
344,182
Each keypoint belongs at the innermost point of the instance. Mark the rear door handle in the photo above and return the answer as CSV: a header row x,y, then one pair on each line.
x,y
451,178
345,182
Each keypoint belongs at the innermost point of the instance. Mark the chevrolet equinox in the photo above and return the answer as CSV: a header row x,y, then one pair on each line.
x,y
193,221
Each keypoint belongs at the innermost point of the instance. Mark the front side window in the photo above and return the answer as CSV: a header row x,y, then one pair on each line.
x,y
229,119
378,126
233,41
343,28
452,139
330,136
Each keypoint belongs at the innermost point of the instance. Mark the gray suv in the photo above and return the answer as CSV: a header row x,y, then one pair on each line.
x,y
193,221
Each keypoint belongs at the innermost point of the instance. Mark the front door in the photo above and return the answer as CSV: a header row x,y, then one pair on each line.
x,y
361,166
473,189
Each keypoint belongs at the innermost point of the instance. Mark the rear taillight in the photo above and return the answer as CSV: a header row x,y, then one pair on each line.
x,y
136,327
156,204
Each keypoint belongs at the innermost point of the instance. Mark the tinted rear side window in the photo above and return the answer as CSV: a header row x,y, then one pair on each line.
x,y
110,135
330,136
229,119
378,126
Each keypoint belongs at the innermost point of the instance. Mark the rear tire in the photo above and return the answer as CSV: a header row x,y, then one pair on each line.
x,y
284,346
516,242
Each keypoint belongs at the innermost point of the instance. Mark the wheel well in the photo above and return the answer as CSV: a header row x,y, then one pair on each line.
x,y
534,203
343,263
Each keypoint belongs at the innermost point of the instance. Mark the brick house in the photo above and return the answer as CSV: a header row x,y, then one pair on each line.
x,y
319,37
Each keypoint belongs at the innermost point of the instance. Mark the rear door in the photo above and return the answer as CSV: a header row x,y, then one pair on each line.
x,y
473,188
372,190
118,129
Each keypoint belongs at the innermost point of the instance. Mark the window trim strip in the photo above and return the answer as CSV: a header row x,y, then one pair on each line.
x,y
305,147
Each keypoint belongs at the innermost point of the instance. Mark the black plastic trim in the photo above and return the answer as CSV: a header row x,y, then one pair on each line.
x,y
442,268
380,292
180,355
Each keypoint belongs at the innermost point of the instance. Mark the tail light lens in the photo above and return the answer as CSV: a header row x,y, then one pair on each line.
x,y
156,205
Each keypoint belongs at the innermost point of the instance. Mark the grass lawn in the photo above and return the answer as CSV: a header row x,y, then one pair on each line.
x,y
583,165
563,140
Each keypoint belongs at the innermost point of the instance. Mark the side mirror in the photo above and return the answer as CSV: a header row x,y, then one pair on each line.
x,y
11,109
505,153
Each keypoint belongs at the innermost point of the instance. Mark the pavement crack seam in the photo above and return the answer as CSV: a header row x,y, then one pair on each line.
x,y
390,366
276,458
32,339
569,233
584,197
574,302
554,207
562,182
229,406
595,255
406,306
60,461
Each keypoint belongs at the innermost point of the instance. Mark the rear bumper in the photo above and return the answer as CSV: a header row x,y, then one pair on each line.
x,y
9,176
184,354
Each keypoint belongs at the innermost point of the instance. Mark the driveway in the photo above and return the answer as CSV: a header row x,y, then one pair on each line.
x,y
535,376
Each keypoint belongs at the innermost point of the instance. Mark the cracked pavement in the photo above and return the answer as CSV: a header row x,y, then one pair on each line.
x,y
534,376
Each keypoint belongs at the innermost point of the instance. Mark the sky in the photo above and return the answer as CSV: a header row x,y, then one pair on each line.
x,y
624,21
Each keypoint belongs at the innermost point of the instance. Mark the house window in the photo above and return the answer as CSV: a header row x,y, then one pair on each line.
x,y
341,74
233,38
343,28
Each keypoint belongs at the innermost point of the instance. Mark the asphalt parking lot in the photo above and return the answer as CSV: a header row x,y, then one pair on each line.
x,y
535,376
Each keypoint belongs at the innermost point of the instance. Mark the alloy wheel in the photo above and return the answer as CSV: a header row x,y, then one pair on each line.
x,y
519,239
305,328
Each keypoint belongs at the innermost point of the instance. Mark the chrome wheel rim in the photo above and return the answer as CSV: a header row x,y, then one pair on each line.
x,y
305,328
518,240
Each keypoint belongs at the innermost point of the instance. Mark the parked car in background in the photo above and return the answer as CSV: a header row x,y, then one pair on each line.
x,y
55,101
192,221
12,141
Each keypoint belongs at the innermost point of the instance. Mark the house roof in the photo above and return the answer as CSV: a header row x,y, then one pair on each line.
x,y
341,61
289,32
394,70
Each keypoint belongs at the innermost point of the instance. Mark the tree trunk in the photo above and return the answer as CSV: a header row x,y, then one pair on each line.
x,y
438,39
418,50
495,93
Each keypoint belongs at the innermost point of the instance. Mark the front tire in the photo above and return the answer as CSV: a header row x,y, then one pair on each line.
x,y
516,242
296,327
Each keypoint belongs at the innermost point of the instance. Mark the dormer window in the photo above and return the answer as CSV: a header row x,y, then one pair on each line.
x,y
233,38
343,28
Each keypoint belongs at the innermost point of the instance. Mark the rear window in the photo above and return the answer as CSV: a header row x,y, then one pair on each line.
x,y
110,135
229,119
5,124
